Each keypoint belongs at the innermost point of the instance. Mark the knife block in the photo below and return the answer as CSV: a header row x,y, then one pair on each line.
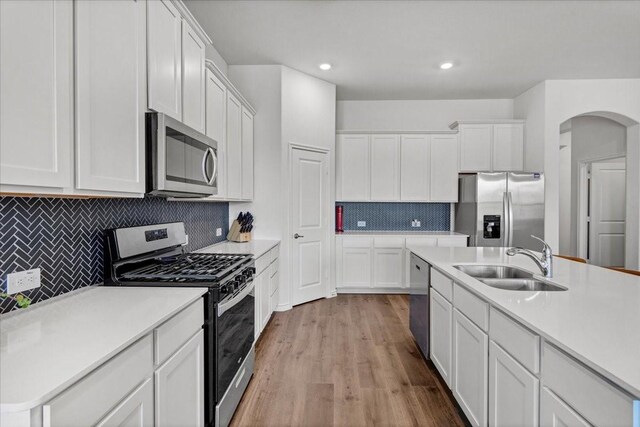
x,y
235,235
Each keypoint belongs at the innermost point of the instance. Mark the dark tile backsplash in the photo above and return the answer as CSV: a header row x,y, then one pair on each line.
x,y
396,216
64,237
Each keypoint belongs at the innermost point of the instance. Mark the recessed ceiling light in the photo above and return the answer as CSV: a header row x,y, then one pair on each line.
x,y
325,66
446,65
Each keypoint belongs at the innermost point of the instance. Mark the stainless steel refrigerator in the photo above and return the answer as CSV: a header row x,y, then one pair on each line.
x,y
501,209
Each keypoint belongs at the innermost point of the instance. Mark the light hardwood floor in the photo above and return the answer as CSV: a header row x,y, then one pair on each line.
x,y
346,361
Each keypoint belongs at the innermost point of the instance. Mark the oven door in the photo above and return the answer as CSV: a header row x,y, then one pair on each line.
x,y
182,162
234,335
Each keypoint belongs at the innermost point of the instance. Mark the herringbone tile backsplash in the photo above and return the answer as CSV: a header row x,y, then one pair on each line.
x,y
64,237
396,216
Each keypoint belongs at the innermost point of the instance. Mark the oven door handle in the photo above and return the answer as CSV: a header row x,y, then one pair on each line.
x,y
226,306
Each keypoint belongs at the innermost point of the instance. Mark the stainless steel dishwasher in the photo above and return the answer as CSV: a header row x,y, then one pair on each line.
x,y
419,303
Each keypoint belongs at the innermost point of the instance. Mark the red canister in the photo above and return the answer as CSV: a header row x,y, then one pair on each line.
x,y
339,219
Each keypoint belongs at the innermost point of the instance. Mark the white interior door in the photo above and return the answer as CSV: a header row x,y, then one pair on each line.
x,y
309,225
607,211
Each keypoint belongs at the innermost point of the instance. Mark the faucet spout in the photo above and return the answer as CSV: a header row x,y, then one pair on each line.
x,y
544,263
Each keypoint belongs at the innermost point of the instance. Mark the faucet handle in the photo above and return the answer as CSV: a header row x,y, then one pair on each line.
x,y
546,247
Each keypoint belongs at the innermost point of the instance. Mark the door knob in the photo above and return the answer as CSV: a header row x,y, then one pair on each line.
x,y
297,236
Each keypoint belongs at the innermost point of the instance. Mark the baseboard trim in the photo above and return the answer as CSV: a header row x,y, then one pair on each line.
x,y
348,290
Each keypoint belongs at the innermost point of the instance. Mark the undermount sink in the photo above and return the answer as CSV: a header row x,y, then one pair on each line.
x,y
508,278
522,285
494,272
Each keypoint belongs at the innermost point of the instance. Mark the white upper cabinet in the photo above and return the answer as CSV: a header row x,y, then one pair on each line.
x,y
36,110
110,70
193,92
414,169
247,154
487,147
475,147
508,147
385,168
164,44
216,113
234,147
443,178
353,168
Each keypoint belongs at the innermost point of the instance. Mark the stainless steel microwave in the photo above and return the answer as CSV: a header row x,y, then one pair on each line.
x,y
181,162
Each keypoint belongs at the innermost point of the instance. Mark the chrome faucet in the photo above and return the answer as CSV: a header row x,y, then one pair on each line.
x,y
545,263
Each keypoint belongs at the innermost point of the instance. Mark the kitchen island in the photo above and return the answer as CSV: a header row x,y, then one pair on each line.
x,y
583,343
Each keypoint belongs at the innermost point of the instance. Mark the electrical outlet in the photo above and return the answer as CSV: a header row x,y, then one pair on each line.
x,y
23,281
415,223
362,223
218,232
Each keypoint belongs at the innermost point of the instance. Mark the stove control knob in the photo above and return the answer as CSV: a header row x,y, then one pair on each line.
x,y
224,289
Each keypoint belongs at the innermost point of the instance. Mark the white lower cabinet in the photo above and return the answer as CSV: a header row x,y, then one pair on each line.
x,y
265,298
513,391
266,288
555,413
134,411
470,376
388,268
180,386
440,331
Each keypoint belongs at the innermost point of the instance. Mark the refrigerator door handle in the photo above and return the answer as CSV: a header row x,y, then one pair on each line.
x,y
505,219
510,205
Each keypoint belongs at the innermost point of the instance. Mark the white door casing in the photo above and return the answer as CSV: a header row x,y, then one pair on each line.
x,y
608,213
310,223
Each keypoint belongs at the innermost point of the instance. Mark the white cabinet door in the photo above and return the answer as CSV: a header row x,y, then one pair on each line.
x,y
385,168
136,410
216,108
353,168
440,330
179,386
265,298
247,154
555,413
110,70
415,155
444,168
274,285
36,88
513,391
469,373
354,266
258,289
475,147
508,147
164,51
234,147
388,265
193,93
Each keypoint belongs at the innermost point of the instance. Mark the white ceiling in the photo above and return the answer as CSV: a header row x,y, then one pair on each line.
x,y
392,49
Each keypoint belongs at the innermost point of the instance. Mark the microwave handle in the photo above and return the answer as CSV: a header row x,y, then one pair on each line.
x,y
208,153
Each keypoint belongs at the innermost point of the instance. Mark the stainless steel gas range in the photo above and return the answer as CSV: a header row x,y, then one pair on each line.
x,y
153,255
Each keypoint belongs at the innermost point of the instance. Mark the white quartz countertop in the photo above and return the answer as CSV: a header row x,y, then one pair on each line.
x,y
403,233
597,320
48,347
256,247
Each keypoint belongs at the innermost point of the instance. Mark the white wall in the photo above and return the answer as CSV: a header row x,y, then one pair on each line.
x,y
531,106
551,103
564,247
418,115
592,138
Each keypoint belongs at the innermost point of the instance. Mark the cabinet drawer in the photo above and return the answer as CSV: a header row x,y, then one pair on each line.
x,y
471,306
442,284
421,241
586,392
452,241
274,278
554,412
518,341
273,253
263,262
89,400
357,242
388,242
172,334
